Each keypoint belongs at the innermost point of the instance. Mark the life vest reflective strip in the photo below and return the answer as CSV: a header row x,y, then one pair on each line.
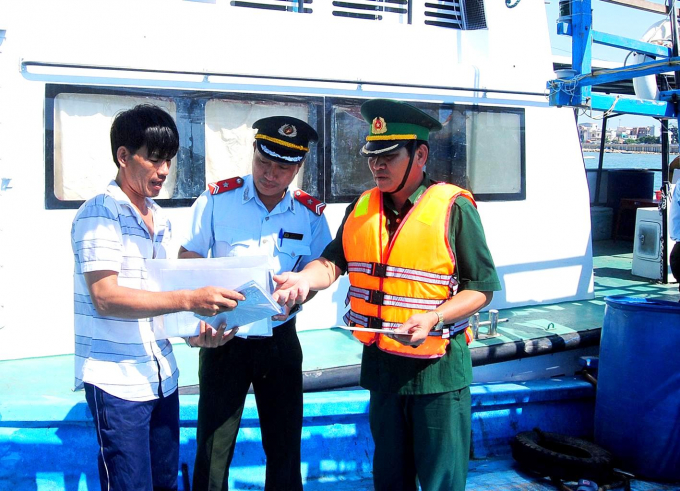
x,y
404,273
390,280
374,296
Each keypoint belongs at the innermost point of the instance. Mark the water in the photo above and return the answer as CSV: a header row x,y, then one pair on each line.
x,y
651,161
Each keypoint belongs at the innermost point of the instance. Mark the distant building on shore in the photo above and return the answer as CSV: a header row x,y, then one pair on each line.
x,y
641,131
591,133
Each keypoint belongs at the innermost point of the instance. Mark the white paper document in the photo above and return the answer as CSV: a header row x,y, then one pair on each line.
x,y
226,272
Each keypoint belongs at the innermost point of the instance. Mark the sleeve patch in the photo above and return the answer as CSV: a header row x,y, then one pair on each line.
x,y
225,185
310,202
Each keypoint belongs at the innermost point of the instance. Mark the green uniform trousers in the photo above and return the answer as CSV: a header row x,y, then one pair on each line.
x,y
273,365
421,439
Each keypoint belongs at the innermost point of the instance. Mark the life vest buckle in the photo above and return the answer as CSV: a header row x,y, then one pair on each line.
x,y
379,270
376,297
374,323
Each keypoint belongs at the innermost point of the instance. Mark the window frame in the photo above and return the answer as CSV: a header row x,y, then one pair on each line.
x,y
193,102
522,193
331,101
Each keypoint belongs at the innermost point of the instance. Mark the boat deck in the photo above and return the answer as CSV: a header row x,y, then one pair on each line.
x,y
37,402
490,475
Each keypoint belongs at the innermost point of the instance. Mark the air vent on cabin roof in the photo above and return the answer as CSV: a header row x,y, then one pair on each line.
x,y
297,6
371,9
456,14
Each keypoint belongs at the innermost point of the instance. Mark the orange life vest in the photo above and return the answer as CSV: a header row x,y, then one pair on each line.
x,y
414,273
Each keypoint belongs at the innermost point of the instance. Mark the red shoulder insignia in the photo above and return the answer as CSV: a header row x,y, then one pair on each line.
x,y
310,202
225,185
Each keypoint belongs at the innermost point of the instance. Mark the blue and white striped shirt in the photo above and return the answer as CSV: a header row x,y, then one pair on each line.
x,y
120,356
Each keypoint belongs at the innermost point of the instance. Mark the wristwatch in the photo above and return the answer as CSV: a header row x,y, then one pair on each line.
x,y
440,322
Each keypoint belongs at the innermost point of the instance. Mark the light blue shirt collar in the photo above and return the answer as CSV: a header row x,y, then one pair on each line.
x,y
250,192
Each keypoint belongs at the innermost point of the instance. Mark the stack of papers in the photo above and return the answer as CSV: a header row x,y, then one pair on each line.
x,y
251,275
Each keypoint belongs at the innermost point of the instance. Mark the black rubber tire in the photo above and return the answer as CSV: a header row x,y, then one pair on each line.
x,y
561,456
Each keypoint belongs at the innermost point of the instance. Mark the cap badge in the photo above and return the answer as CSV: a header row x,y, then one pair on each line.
x,y
379,126
288,130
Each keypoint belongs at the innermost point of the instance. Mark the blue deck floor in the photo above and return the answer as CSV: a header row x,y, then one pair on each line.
x,y
487,475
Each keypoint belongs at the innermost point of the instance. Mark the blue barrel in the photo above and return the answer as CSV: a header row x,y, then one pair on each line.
x,y
637,410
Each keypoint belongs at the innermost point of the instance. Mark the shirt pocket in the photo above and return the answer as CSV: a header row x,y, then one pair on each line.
x,y
231,241
291,250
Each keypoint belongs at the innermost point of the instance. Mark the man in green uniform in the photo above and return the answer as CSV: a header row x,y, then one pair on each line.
x,y
420,398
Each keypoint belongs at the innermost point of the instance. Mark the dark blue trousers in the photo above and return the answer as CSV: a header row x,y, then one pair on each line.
x,y
138,441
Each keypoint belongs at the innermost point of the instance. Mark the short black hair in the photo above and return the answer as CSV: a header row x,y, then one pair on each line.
x,y
148,125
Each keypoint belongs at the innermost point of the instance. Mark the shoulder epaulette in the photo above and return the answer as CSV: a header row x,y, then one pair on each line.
x,y
225,185
310,202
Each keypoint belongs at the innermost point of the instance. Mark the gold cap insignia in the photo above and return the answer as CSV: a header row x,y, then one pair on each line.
x,y
288,130
379,126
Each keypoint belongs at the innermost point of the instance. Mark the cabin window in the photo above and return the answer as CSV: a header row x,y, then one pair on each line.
x,y
494,152
479,148
83,164
78,159
229,135
215,139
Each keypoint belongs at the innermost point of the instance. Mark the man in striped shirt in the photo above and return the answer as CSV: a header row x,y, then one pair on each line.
x,y
129,377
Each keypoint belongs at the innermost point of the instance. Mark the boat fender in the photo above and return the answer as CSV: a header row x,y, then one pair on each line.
x,y
658,33
561,456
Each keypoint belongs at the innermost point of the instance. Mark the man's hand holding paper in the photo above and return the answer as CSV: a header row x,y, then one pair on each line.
x,y
255,305
212,300
208,337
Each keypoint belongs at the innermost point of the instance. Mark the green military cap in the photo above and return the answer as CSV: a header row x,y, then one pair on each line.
x,y
284,139
394,124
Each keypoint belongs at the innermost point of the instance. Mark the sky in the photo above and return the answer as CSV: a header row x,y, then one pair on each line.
x,y
611,19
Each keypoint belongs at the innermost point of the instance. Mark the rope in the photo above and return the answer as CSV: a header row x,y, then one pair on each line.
x,y
611,109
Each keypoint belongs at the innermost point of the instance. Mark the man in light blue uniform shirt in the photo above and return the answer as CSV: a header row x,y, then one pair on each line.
x,y
257,215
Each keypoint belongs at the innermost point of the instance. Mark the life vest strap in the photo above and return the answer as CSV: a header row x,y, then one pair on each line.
x,y
380,270
352,318
377,297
